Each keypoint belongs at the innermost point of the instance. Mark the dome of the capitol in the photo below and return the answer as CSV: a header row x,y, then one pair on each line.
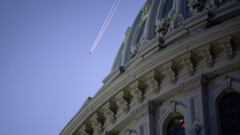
x,y
177,72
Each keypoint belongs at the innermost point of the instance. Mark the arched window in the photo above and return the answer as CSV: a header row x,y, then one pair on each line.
x,y
141,31
175,125
167,7
229,113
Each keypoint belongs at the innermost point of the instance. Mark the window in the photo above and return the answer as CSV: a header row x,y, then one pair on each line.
x,y
229,113
140,34
167,7
176,126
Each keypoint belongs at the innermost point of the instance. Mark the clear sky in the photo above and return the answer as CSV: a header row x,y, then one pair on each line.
x,y
46,71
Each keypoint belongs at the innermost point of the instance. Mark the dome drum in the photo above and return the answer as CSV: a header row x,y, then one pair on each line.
x,y
174,59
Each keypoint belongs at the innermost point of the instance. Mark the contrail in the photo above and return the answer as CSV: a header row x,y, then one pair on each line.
x,y
105,24
107,19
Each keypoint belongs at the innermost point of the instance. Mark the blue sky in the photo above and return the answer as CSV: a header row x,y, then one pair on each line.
x,y
46,71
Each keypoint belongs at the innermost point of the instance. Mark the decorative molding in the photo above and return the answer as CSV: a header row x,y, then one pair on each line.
x,y
97,123
128,32
131,132
188,63
145,9
123,102
85,130
145,66
196,128
195,5
170,72
227,82
173,104
137,91
140,111
206,54
153,81
163,27
109,112
224,85
192,84
176,20
227,46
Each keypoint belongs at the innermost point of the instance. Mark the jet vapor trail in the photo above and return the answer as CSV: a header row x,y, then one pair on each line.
x,y
105,24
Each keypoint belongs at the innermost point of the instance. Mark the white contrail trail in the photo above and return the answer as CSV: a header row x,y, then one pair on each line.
x,y
105,25
106,20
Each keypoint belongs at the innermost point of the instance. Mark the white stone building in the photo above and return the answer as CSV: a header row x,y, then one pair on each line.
x,y
177,73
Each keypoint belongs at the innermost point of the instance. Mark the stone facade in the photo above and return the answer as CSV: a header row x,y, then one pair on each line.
x,y
186,62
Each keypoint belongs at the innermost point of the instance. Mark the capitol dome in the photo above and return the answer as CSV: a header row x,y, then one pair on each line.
x,y
177,72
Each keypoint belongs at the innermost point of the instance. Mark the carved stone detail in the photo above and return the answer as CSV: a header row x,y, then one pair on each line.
x,y
128,32
163,27
195,5
97,123
145,9
109,112
123,102
137,91
173,104
196,128
85,130
188,63
175,20
226,44
153,81
167,24
170,72
206,54
225,83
